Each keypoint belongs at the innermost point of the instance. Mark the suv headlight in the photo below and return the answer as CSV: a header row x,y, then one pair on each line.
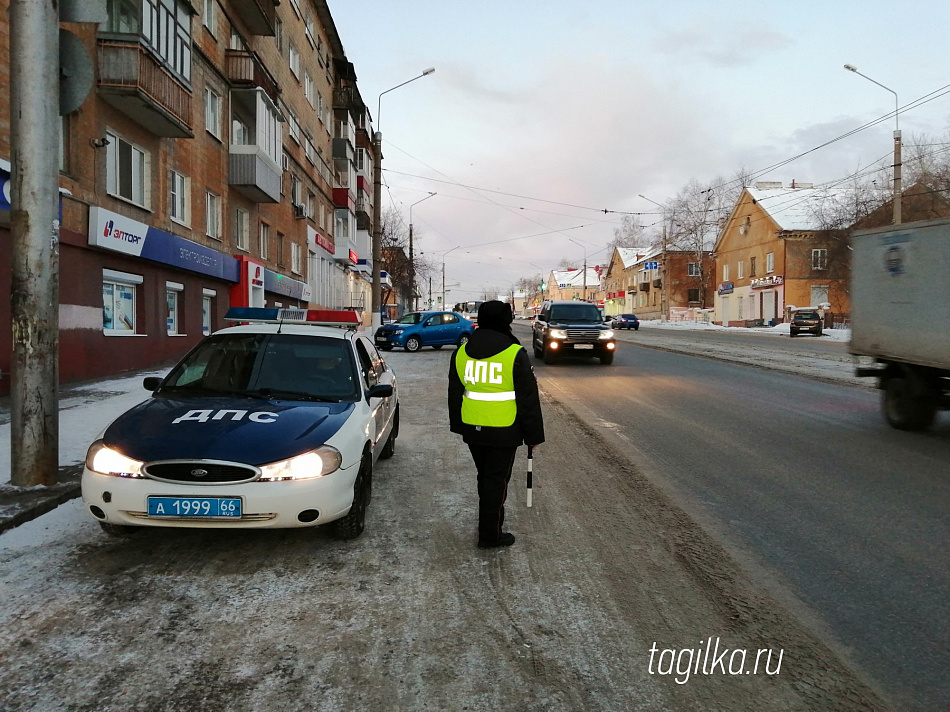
x,y
106,461
315,463
607,334
558,333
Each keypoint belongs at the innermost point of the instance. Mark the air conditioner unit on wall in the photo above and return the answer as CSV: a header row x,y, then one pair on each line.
x,y
300,212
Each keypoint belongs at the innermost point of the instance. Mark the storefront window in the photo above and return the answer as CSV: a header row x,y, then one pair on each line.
x,y
118,307
171,312
206,316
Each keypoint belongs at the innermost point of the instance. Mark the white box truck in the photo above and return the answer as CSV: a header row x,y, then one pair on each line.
x,y
900,317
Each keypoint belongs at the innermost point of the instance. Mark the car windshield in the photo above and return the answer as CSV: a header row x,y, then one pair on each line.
x,y
413,318
575,313
290,366
629,316
806,315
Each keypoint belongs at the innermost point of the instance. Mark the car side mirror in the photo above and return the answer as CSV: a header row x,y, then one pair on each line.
x,y
152,383
380,390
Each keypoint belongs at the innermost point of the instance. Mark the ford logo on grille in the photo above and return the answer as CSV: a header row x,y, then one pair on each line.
x,y
199,473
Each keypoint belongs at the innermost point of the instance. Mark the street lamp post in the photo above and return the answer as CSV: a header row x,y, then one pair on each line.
x,y
377,199
412,262
585,264
443,272
897,144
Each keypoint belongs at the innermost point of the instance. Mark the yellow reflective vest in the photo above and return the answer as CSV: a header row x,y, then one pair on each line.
x,y
489,383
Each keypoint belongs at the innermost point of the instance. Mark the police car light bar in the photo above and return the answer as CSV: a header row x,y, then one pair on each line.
x,y
313,317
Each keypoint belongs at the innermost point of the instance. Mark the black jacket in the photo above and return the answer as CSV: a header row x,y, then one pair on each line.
x,y
528,427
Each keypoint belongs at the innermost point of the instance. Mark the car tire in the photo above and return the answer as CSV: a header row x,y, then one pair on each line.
x,y
352,525
792,333
908,404
550,356
607,358
389,449
636,328
437,346
413,344
119,530
463,339
538,353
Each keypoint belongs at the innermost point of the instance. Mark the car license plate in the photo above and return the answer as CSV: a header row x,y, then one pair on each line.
x,y
224,507
583,346
381,338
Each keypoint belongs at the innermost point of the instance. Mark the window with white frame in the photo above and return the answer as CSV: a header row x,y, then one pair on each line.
x,y
208,15
295,258
213,112
310,203
294,4
692,269
296,187
321,110
240,133
207,307
279,34
263,238
308,30
118,302
123,17
179,208
321,214
126,170
294,126
725,273
309,148
770,262
740,269
242,226
213,215
308,87
237,42
172,290
819,259
166,27
294,60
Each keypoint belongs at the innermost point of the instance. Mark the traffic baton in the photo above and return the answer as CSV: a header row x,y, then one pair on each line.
x,y
530,466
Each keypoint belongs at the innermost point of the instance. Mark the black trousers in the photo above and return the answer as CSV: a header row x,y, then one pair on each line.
x,y
494,471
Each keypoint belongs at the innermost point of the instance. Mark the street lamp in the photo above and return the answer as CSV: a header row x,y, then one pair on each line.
x,y
897,144
412,263
585,264
377,199
443,271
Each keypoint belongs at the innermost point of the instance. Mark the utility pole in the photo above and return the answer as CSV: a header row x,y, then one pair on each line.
x,y
34,55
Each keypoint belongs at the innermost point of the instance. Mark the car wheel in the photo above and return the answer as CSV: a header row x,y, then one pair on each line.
x,y
437,346
413,344
908,404
792,333
549,356
120,530
389,448
352,525
636,328
463,339
607,358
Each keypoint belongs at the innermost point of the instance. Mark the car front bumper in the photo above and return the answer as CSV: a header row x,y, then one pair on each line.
x,y
264,505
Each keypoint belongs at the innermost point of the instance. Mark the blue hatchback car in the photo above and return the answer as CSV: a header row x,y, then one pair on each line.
x,y
417,329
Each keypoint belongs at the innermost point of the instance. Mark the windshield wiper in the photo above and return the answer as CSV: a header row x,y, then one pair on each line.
x,y
271,393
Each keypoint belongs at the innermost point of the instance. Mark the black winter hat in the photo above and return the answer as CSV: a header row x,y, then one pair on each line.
x,y
496,316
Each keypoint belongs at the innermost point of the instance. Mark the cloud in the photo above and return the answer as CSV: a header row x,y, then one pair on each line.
x,y
722,46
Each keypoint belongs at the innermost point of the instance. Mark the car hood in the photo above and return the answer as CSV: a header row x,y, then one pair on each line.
x,y
577,325
249,430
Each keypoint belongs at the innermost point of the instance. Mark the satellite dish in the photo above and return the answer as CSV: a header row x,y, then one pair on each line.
x,y
76,74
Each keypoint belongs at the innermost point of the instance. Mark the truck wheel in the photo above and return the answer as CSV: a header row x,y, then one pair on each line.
x,y
549,356
351,526
908,403
413,344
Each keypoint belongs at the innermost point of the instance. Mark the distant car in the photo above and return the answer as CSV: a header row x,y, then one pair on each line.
x,y
417,329
274,423
807,321
626,321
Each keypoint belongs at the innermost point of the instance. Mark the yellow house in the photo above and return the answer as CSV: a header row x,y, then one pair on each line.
x,y
574,284
620,289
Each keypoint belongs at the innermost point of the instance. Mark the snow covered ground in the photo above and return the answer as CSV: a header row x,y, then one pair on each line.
x,y
778,330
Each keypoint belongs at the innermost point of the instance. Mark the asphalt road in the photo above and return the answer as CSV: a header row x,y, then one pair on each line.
x,y
841,516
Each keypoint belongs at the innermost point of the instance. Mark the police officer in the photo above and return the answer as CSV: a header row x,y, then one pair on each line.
x,y
494,406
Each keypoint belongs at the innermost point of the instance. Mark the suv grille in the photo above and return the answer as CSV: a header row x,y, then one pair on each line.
x,y
583,334
201,473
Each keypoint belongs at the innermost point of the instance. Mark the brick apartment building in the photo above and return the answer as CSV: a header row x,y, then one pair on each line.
x,y
223,158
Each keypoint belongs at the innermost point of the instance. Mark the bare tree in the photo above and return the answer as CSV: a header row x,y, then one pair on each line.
x,y
631,233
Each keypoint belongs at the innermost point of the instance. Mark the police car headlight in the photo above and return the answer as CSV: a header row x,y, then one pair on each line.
x,y
607,334
557,334
315,463
106,461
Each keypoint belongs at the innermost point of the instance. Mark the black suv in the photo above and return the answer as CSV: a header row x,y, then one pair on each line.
x,y
571,329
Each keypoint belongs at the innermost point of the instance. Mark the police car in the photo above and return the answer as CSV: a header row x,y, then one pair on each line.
x,y
273,423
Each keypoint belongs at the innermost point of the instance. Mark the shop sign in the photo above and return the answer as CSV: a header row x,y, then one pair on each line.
x,y
771,281
286,286
315,238
725,288
354,258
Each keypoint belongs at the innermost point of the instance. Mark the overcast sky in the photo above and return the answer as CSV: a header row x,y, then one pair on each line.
x,y
542,114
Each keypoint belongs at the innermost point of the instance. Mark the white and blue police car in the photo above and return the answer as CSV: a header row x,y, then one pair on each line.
x,y
273,423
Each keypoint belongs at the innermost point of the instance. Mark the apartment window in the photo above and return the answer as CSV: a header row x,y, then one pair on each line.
x,y
308,30
752,266
819,259
309,149
207,306
321,108
280,249
166,27
322,222
295,258
770,263
172,290
213,112
692,269
693,296
213,215
123,16
118,302
295,6
308,87
262,239
126,170
178,207
242,226
296,197
279,34
740,269
240,134
310,201
208,15
294,126
294,60
725,273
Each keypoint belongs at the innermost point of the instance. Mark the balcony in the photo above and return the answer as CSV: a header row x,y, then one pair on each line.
x,y
258,15
133,81
245,69
253,174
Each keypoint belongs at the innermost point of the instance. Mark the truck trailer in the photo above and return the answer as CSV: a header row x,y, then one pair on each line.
x,y
900,317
